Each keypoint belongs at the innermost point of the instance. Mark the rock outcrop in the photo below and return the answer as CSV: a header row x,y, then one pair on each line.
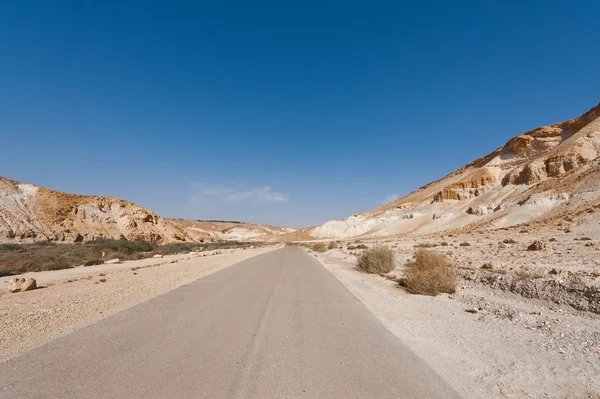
x,y
30,213
538,174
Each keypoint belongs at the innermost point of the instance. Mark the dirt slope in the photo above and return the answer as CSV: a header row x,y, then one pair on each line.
x,y
540,175
31,213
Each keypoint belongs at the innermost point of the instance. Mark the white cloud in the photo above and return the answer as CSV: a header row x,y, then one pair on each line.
x,y
389,198
259,195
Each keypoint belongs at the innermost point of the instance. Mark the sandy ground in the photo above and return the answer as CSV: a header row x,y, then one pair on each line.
x,y
74,298
512,347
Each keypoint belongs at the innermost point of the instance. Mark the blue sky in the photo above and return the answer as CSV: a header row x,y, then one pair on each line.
x,y
280,112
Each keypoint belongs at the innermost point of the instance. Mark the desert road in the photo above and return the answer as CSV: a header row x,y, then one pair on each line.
x,y
278,325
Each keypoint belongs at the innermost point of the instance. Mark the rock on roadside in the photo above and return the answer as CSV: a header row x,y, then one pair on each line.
x,y
21,285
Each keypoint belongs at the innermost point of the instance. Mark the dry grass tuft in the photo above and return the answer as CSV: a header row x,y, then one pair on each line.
x,y
332,245
380,259
430,274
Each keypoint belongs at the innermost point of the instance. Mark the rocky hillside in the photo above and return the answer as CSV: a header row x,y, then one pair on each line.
x,y
31,213
238,231
539,176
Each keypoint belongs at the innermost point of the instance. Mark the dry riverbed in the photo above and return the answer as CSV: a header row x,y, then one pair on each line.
x,y
74,298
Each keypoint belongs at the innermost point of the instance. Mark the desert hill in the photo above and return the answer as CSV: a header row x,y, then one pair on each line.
x,y
227,230
30,213
539,176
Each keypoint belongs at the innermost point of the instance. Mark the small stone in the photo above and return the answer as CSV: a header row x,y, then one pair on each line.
x,y
538,246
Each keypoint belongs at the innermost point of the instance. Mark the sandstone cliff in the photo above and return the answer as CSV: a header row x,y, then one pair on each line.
x,y
31,213
535,176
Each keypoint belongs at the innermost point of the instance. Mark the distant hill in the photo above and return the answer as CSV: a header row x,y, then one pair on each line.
x,y
30,213
230,230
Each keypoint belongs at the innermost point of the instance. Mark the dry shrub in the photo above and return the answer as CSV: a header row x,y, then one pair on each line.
x,y
430,274
332,245
425,245
319,247
379,259
527,275
359,246
23,258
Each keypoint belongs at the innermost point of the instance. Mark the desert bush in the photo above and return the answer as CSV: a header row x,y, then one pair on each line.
x,y
465,244
176,248
430,274
487,266
124,246
379,259
425,245
509,241
332,245
22,258
359,246
319,247
94,262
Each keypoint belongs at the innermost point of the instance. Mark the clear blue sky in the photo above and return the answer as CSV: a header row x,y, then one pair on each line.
x,y
276,111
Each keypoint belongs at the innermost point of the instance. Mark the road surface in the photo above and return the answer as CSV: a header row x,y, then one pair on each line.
x,y
278,325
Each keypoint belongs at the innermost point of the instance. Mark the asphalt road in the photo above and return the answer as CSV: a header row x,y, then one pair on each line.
x,y
275,326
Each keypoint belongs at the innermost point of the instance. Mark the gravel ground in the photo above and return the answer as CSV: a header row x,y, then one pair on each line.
x,y
512,347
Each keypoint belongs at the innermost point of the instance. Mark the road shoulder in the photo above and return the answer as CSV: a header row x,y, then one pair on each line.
x,y
479,356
